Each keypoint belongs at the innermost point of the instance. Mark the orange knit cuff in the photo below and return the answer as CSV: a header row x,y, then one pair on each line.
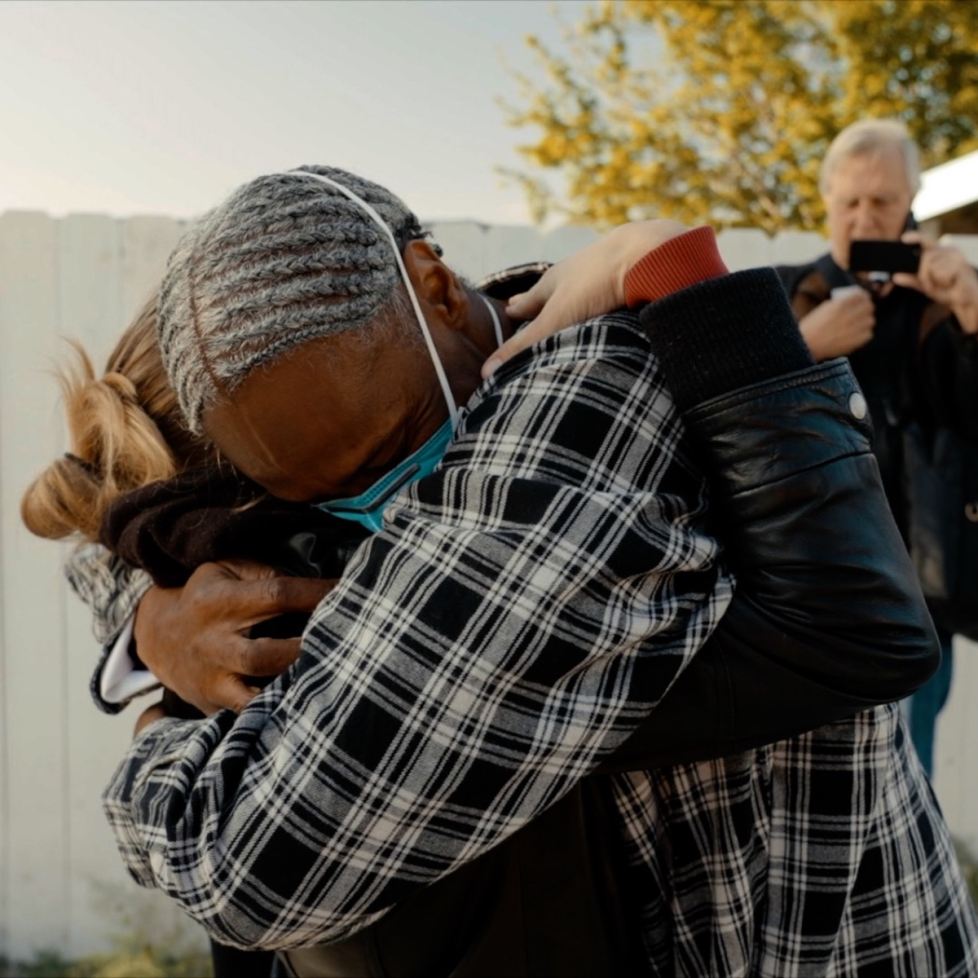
x,y
678,263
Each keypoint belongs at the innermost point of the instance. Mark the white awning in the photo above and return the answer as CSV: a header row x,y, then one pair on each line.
x,y
947,187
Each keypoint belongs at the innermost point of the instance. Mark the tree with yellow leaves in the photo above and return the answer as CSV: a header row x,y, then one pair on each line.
x,y
721,111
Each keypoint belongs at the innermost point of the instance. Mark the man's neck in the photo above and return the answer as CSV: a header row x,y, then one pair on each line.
x,y
484,324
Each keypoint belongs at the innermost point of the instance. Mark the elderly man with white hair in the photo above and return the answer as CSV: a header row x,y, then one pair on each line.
x,y
911,341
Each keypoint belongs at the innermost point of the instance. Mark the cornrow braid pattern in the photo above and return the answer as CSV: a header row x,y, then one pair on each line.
x,y
283,261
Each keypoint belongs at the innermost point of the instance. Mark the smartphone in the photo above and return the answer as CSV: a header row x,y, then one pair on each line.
x,y
883,256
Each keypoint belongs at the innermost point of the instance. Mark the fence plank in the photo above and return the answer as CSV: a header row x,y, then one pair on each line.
x,y
796,247
464,245
99,890
34,680
562,242
956,747
511,245
146,244
91,282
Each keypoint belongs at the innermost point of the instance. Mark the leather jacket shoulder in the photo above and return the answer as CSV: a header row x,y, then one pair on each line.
x,y
827,618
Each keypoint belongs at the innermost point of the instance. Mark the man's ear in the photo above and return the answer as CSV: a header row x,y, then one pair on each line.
x,y
438,288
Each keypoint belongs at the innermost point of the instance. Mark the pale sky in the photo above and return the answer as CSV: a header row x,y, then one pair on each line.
x,y
163,107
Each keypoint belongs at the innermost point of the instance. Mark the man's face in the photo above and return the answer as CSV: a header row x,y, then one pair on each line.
x,y
335,415
868,196
329,419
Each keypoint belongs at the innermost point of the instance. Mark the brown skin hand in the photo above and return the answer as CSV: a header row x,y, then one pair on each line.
x,y
325,421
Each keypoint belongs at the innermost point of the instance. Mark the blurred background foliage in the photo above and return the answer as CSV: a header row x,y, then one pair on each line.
x,y
145,943
721,111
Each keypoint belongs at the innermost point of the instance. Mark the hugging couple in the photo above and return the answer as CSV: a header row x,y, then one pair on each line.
x,y
552,626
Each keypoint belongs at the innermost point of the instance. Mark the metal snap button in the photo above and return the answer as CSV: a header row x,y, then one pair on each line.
x,y
857,405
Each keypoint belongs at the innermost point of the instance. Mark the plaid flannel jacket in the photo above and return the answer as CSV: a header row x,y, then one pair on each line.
x,y
521,611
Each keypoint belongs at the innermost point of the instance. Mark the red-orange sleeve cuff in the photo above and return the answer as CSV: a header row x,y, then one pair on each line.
x,y
678,263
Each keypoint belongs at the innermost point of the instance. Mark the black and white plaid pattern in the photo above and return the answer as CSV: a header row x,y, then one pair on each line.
x,y
112,590
522,609
108,585
825,854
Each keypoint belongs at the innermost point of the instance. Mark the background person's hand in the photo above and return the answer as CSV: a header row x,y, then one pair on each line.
x,y
194,638
838,326
589,283
945,277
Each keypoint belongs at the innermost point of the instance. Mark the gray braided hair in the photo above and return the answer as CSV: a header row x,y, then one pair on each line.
x,y
284,260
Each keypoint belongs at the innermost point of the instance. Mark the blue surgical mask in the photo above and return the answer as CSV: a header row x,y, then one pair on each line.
x,y
367,509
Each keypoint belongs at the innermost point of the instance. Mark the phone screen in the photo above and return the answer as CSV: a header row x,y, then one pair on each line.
x,y
883,256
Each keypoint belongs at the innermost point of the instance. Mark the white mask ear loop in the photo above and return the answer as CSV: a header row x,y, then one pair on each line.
x,y
382,224
495,320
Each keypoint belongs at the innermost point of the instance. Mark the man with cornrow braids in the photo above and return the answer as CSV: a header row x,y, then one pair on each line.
x,y
535,620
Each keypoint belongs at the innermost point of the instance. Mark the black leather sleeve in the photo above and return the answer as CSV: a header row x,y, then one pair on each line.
x,y
827,617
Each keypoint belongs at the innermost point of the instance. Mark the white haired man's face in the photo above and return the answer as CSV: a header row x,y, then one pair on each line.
x,y
868,196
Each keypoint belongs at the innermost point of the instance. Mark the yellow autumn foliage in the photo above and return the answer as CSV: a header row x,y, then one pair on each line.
x,y
721,111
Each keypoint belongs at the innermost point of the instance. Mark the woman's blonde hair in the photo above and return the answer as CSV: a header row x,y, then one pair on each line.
x,y
125,431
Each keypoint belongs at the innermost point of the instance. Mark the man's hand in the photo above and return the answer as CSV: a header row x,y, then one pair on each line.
x,y
194,638
589,283
945,277
836,327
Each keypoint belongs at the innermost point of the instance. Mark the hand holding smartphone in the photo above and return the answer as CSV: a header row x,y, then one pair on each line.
x,y
870,255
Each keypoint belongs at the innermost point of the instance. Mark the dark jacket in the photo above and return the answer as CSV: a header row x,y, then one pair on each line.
x,y
919,367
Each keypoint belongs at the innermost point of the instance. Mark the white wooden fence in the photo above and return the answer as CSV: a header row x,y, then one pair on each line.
x,y
61,882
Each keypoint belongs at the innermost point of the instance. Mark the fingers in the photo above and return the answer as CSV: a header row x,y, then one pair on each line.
x,y
857,299
239,569
588,283
939,273
907,280
242,588
854,307
228,693
527,304
270,596
557,301
944,266
532,333
262,656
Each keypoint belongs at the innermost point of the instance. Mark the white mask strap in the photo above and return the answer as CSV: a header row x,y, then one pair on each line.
x,y
382,224
495,320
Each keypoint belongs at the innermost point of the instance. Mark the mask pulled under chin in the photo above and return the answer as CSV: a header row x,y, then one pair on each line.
x,y
368,507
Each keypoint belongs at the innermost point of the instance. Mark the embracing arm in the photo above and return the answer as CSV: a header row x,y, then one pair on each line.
x,y
523,610
827,618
